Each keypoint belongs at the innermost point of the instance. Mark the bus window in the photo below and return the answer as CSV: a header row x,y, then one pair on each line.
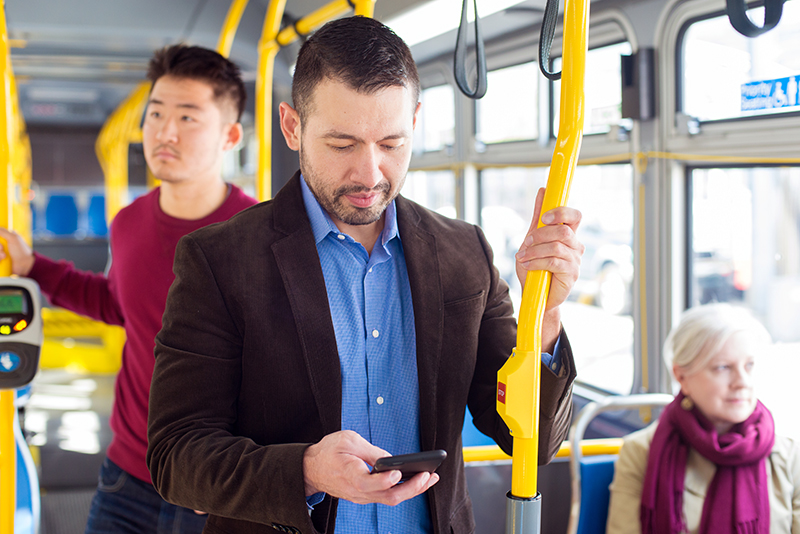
x,y
598,316
436,125
745,249
727,75
436,190
509,112
603,89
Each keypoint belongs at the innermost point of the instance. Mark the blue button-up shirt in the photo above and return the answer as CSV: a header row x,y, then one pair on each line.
x,y
373,319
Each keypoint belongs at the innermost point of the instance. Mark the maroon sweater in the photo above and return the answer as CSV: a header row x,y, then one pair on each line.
x,y
143,240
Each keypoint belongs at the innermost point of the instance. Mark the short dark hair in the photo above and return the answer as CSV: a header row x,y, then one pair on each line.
x,y
198,63
358,51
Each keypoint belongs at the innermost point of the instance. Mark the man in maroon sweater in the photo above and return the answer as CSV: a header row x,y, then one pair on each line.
x,y
192,119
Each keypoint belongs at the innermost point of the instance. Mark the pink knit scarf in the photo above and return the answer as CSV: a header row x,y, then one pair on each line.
x,y
737,498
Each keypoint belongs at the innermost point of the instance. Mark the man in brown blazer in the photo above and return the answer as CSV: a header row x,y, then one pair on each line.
x,y
257,415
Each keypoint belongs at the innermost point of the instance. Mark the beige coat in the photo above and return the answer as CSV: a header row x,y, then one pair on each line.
x,y
783,471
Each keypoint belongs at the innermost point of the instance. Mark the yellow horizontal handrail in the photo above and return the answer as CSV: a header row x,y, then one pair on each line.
x,y
639,157
313,20
590,447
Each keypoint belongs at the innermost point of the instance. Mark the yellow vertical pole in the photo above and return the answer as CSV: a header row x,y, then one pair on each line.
x,y
519,378
8,445
229,27
8,462
267,50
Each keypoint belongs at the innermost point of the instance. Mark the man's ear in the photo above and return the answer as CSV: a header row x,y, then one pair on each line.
x,y
290,126
234,136
416,114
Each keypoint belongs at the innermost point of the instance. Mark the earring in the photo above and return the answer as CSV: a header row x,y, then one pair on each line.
x,y
687,404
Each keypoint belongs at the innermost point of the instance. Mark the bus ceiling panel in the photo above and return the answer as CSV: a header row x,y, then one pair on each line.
x,y
101,48
135,29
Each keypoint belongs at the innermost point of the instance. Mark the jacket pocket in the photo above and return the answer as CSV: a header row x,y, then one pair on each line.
x,y
464,305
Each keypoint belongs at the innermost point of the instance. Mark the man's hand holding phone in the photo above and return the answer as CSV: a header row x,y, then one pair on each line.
x,y
337,465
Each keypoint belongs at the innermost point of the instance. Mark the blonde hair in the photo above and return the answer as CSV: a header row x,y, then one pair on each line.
x,y
704,330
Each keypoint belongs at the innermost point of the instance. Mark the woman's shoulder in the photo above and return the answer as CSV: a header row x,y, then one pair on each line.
x,y
786,452
636,446
641,438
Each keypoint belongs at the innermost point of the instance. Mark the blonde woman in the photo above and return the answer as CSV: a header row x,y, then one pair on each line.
x,y
712,463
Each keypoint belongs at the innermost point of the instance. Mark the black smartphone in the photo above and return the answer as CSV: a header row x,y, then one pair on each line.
x,y
411,464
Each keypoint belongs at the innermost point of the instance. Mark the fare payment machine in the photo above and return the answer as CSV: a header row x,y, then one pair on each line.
x,y
20,343
20,331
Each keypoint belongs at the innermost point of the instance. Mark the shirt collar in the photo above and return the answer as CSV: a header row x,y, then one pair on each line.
x,y
322,224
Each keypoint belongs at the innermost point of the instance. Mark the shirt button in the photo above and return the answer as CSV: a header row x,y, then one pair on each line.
x,y
375,333
554,366
340,236
379,400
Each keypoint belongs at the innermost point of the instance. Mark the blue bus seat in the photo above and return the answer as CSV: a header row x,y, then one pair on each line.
x,y
97,216
597,472
61,215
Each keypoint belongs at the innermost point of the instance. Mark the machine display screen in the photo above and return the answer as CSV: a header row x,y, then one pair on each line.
x,y
12,302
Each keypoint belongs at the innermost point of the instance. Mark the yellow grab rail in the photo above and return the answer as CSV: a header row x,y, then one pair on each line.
x,y
272,38
8,462
121,128
8,445
518,379
230,26
267,50
589,447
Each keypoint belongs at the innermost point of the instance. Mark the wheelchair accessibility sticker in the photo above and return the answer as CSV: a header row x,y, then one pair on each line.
x,y
8,362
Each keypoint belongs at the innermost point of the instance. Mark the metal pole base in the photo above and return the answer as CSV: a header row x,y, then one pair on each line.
x,y
523,516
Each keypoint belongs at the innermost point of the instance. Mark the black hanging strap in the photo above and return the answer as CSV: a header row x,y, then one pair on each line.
x,y
460,63
737,13
546,39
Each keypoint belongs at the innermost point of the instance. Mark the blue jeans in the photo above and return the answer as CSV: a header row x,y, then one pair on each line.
x,y
125,504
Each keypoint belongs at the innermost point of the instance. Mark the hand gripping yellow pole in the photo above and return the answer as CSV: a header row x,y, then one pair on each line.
x,y
518,380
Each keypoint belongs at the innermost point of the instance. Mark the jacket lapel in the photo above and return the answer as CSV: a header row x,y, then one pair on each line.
x,y
422,263
298,262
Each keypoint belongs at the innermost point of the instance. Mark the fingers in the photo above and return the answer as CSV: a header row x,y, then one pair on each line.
x,y
417,485
553,247
17,249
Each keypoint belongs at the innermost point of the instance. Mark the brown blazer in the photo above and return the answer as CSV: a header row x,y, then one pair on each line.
x,y
247,370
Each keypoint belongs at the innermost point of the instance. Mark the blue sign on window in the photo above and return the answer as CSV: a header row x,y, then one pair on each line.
x,y
771,94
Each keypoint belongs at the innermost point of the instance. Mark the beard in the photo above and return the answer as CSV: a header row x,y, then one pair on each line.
x,y
334,201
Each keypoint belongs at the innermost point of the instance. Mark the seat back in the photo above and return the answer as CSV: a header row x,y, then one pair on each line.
x,y
97,216
593,515
61,215
597,472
